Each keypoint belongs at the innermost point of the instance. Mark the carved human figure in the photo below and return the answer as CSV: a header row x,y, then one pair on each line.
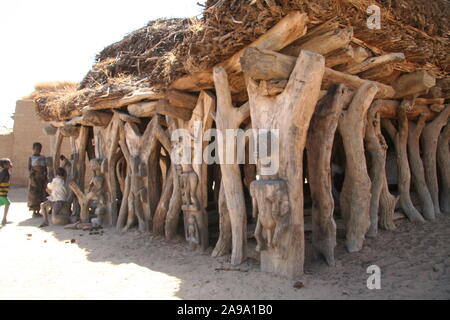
x,y
192,231
271,208
189,182
97,189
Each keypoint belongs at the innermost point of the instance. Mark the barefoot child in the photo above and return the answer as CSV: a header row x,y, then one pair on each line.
x,y
58,197
5,166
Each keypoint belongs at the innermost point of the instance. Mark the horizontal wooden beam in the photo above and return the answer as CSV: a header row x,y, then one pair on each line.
x,y
135,96
388,109
149,109
268,65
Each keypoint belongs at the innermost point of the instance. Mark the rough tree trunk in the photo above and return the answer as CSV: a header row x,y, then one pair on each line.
x,y
319,146
229,117
400,139
290,113
355,195
173,213
417,170
223,245
429,142
381,199
443,156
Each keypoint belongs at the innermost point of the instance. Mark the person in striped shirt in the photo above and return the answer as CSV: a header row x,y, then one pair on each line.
x,y
5,177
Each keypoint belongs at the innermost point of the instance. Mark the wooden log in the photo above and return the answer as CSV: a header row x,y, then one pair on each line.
x,y
437,107
289,112
163,107
388,110
353,82
319,146
135,96
111,136
443,156
224,243
359,55
70,130
322,44
340,56
429,141
229,117
57,150
381,199
174,210
159,218
286,31
400,140
127,118
374,62
267,65
413,83
439,101
355,194
317,31
96,118
417,170
123,212
378,73
182,99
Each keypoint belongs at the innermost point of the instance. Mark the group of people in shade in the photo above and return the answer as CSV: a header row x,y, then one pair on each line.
x,y
43,195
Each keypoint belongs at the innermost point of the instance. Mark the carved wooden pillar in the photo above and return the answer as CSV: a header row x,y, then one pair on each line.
x,y
290,113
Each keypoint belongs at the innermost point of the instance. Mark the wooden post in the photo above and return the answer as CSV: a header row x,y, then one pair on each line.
x,y
229,117
290,113
381,199
319,146
443,156
417,170
355,195
400,139
429,141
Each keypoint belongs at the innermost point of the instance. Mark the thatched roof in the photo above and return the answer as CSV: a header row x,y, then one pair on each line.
x,y
167,49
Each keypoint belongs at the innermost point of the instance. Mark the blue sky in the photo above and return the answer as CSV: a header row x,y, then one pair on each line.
x,y
50,40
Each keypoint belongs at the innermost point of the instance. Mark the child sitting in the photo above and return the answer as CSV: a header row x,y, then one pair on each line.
x,y
57,199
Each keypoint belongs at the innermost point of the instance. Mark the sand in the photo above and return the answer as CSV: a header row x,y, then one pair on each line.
x,y
44,264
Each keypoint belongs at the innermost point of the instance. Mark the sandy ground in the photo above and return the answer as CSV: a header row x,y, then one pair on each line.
x,y
43,264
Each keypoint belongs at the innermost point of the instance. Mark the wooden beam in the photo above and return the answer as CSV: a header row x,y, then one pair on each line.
x,y
322,44
378,73
267,65
286,31
149,109
388,109
354,82
414,82
96,118
359,55
182,99
338,57
135,96
373,62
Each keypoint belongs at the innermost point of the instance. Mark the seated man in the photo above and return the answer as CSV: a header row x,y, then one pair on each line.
x,y
57,201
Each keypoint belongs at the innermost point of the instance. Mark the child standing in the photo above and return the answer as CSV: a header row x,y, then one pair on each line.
x,y
5,166
38,179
